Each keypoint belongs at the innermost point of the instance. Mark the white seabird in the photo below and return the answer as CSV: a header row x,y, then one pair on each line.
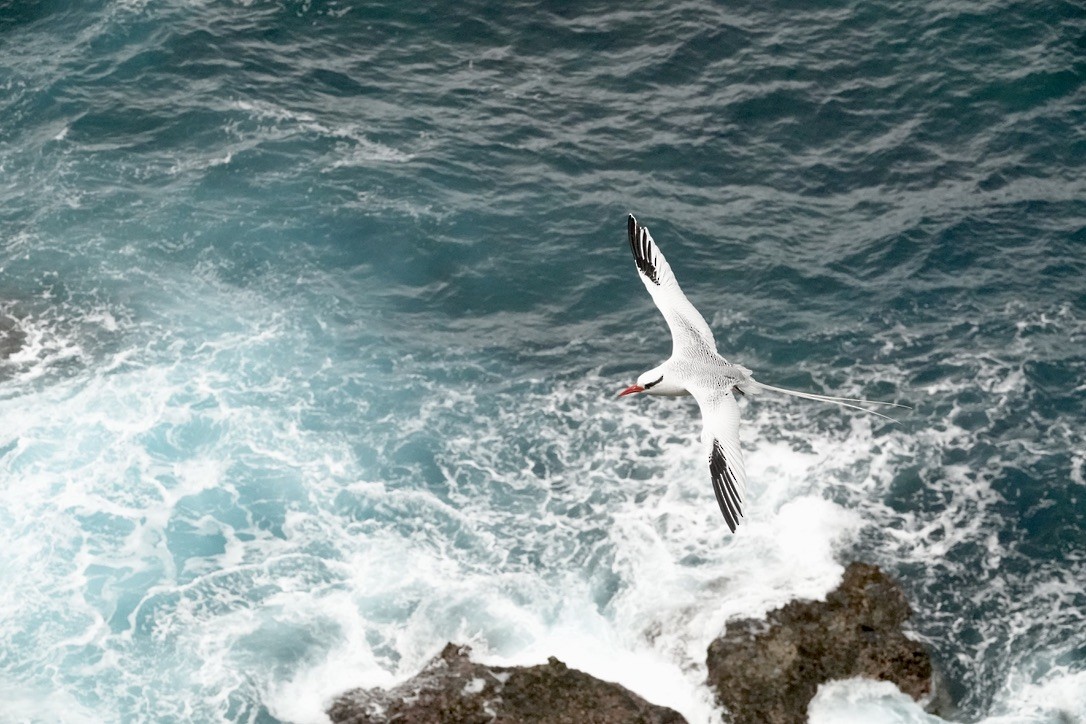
x,y
695,368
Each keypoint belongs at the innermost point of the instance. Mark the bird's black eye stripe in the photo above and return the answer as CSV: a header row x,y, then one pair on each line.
x,y
653,384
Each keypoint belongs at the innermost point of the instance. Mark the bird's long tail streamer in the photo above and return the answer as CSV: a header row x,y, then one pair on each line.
x,y
850,402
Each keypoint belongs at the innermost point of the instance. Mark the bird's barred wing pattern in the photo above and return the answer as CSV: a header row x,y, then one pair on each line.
x,y
720,442
688,327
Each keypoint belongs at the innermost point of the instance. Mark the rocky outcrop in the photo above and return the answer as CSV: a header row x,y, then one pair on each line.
x,y
767,671
764,671
454,690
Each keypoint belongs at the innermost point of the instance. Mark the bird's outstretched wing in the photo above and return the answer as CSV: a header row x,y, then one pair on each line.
x,y
688,327
720,444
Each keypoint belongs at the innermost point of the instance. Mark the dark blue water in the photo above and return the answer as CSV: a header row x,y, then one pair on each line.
x,y
312,315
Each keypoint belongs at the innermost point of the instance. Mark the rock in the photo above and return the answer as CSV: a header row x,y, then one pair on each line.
x,y
452,689
768,671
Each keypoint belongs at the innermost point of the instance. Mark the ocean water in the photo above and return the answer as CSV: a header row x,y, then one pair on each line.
x,y
312,317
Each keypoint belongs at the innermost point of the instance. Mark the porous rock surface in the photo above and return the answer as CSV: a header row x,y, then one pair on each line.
x,y
767,671
452,689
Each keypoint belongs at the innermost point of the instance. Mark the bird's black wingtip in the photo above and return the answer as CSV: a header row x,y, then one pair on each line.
x,y
640,245
724,486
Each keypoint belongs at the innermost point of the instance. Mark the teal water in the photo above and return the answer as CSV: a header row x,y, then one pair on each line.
x,y
316,311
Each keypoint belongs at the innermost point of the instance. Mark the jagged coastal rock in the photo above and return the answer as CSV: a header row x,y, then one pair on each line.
x,y
764,671
452,689
767,671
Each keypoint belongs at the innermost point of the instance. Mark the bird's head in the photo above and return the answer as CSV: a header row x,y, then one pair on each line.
x,y
651,382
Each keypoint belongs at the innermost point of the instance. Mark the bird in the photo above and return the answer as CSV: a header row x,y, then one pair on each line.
x,y
695,368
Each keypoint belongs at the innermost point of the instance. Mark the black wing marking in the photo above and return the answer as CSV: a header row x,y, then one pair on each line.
x,y
689,331
642,251
725,487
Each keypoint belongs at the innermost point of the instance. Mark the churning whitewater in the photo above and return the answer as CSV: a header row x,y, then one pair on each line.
x,y
312,316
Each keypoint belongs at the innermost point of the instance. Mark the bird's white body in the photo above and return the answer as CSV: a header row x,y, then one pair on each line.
x,y
678,377
695,368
